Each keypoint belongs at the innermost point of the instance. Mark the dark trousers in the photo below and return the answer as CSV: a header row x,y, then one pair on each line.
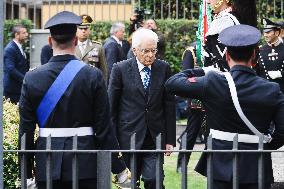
x,y
194,122
229,185
83,184
145,164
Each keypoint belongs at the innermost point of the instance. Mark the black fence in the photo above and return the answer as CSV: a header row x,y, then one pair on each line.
x,y
104,162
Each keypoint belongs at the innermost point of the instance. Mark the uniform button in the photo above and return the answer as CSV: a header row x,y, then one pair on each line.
x,y
146,109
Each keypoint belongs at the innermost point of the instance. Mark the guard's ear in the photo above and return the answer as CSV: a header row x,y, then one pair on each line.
x,y
50,41
228,58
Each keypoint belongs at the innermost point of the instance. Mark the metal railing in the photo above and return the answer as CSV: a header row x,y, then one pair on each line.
x,y
39,11
104,162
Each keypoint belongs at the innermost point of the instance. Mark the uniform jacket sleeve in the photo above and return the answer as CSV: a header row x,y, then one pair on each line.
x,y
188,83
188,61
10,61
27,125
278,135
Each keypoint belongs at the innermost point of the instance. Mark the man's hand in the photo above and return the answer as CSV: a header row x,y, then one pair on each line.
x,y
274,74
170,148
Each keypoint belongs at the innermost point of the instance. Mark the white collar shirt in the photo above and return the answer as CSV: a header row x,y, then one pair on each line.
x,y
140,69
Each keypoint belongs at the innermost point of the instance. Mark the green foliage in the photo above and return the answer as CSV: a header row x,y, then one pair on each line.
x,y
178,35
10,142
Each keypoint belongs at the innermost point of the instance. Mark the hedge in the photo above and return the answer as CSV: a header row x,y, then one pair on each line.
x,y
178,35
10,142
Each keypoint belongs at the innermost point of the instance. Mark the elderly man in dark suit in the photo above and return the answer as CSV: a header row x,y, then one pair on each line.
x,y
259,102
15,64
140,104
116,48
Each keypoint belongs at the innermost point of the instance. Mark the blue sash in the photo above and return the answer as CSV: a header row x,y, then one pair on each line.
x,y
56,90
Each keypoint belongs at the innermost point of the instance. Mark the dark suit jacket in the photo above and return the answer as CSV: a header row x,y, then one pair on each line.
x,y
261,101
15,68
84,104
114,52
131,110
46,54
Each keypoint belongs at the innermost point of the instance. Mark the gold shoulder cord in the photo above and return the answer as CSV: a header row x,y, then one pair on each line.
x,y
191,49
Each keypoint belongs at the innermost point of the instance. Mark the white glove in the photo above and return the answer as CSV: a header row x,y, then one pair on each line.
x,y
123,179
274,74
210,68
31,184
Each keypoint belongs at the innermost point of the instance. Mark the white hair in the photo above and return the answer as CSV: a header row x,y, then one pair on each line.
x,y
143,34
116,27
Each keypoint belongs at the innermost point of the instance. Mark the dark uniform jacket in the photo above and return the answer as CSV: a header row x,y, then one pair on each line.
x,y
272,59
15,68
114,52
84,104
133,111
261,101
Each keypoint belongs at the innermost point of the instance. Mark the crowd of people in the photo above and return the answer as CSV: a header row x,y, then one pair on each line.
x,y
104,93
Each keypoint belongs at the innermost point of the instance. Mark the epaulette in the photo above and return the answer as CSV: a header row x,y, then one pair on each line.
x,y
97,42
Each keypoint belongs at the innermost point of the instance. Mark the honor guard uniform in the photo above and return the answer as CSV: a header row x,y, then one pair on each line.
x,y
271,55
67,98
236,102
196,111
88,50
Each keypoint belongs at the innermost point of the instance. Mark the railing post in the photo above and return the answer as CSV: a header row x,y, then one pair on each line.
x,y
48,164
104,169
184,162
159,177
75,184
209,164
235,164
23,163
260,163
133,161
162,9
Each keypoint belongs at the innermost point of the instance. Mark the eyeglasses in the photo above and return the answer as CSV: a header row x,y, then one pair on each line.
x,y
147,51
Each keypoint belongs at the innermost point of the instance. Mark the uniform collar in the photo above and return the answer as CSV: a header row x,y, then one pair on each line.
x,y
84,42
242,68
61,58
280,40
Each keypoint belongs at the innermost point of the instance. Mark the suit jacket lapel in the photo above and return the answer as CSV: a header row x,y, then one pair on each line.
x,y
18,49
154,80
134,72
78,52
87,49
